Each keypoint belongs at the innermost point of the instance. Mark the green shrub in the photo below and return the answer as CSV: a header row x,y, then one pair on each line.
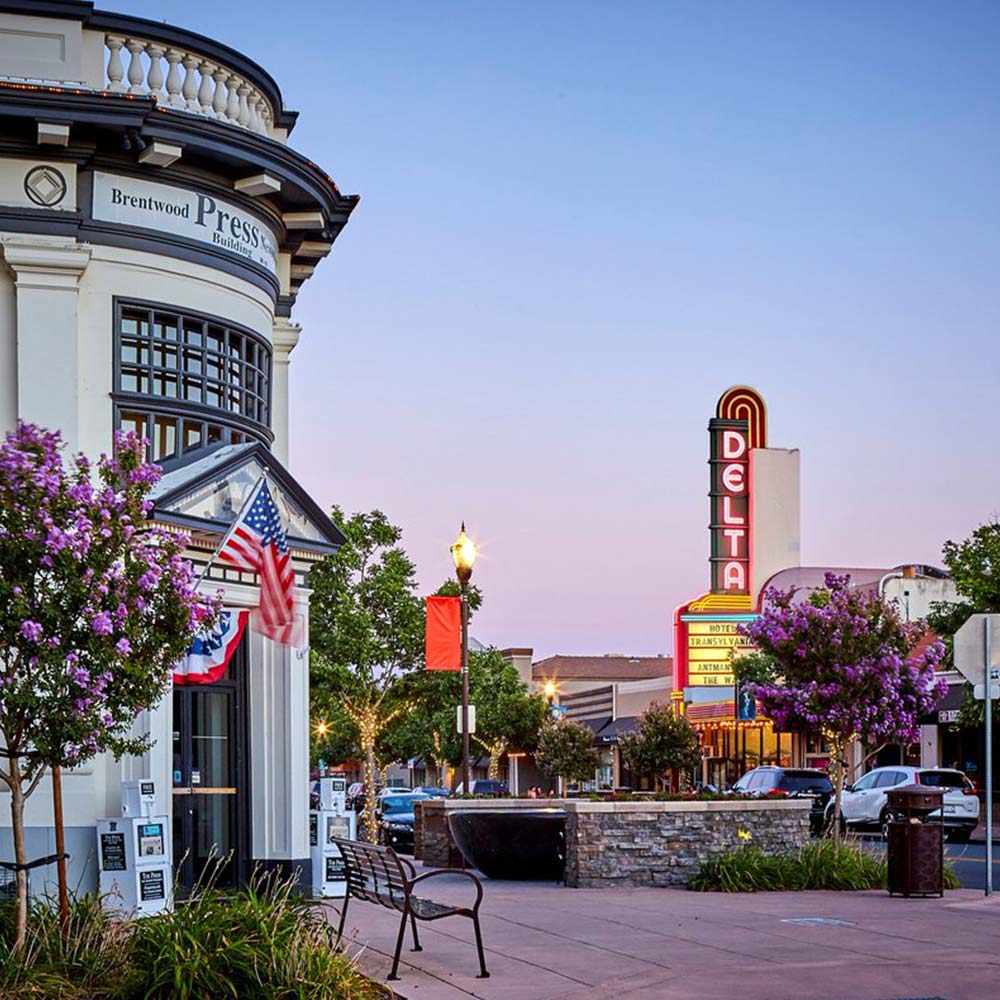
x,y
92,963
821,864
262,942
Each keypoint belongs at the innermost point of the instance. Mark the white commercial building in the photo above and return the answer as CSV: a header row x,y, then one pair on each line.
x,y
155,227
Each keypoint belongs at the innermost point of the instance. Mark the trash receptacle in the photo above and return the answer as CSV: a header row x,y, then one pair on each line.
x,y
915,852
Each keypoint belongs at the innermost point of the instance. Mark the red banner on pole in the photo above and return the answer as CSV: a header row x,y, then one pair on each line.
x,y
444,633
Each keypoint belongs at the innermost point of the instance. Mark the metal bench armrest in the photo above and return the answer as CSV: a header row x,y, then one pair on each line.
x,y
453,871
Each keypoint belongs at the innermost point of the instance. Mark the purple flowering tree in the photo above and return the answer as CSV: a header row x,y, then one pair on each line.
x,y
96,605
845,664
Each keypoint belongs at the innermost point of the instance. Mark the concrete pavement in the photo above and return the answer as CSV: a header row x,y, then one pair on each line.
x,y
545,942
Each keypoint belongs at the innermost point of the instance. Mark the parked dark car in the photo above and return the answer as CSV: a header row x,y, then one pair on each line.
x,y
396,820
484,786
793,783
356,795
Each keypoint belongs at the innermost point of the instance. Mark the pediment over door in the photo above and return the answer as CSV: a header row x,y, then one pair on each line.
x,y
207,494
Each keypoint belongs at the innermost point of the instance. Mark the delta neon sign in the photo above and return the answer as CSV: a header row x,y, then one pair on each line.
x,y
706,630
730,493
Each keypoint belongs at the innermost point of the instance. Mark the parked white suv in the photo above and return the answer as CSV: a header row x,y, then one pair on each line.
x,y
865,802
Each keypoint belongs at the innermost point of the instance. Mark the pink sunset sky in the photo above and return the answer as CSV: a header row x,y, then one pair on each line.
x,y
580,224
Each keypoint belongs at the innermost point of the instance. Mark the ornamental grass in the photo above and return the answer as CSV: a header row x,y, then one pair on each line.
x,y
821,864
261,942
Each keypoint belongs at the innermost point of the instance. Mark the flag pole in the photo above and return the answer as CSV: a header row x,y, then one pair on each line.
x,y
251,496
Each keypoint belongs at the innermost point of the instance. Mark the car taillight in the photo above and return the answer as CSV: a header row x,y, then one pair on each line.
x,y
971,790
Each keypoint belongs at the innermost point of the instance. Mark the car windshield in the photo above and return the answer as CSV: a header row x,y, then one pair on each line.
x,y
943,779
804,781
400,803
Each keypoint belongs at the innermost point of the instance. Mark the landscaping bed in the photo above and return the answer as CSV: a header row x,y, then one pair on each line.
x,y
821,864
264,942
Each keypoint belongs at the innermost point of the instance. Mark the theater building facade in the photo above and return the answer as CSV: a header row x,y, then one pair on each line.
x,y
155,228
754,528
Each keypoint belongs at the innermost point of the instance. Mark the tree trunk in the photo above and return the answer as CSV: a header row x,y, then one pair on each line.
x,y
17,827
837,748
61,851
371,774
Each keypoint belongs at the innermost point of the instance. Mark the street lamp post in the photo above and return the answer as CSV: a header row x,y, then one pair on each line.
x,y
463,552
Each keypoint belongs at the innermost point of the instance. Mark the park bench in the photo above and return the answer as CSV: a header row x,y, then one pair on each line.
x,y
379,875
9,870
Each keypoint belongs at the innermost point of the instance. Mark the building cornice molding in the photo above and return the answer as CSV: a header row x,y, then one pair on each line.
x,y
284,338
39,261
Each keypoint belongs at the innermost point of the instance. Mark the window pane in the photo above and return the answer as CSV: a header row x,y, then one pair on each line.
x,y
192,434
192,361
165,385
165,327
213,366
214,395
135,323
164,355
215,339
192,389
214,433
129,380
134,422
164,438
193,330
130,351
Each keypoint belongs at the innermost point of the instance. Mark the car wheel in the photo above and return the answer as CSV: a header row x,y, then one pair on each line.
x,y
959,836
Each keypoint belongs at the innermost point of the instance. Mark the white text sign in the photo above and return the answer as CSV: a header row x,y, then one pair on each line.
x,y
168,209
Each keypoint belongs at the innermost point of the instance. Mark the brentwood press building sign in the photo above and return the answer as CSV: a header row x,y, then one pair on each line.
x,y
200,217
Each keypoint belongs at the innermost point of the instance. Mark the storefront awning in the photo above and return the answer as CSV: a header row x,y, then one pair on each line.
x,y
948,706
615,729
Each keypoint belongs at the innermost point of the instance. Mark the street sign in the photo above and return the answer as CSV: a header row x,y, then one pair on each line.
x,y
970,648
976,656
472,719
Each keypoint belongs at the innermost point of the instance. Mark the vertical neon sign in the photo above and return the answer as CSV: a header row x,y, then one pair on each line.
x,y
730,502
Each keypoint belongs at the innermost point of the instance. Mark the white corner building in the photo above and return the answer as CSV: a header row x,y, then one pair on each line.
x,y
155,228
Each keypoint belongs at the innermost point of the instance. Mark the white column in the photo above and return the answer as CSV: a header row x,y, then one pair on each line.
x,y
47,272
174,83
285,337
116,68
136,74
929,752
279,738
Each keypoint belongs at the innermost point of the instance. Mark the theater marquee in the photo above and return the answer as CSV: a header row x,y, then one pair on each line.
x,y
706,630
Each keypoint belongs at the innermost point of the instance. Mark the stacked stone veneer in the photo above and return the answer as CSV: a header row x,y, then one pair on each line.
x,y
663,843
634,843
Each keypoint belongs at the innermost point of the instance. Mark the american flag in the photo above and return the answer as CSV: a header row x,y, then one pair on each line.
x,y
257,544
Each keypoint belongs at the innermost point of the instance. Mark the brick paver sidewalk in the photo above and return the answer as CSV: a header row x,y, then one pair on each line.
x,y
546,941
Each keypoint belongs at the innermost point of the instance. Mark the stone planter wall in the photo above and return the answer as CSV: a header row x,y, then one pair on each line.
x,y
632,843
663,843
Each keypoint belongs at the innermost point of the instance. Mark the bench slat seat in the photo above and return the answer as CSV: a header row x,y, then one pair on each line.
x,y
379,875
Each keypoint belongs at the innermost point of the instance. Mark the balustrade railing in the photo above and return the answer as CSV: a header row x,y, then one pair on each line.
x,y
192,82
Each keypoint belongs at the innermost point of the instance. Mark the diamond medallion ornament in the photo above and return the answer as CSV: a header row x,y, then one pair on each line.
x,y
45,186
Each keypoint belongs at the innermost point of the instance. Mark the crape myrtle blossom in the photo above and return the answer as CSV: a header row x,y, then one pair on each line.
x,y
848,666
96,606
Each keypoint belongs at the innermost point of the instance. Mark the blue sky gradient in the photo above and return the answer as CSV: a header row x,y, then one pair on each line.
x,y
580,222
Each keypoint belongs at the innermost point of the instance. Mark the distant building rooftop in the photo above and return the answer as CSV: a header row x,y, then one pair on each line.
x,y
808,578
610,667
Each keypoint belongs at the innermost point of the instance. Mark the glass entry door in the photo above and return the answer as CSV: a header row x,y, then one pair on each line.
x,y
209,787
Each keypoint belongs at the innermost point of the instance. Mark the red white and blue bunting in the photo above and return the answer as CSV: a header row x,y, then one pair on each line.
x,y
209,655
